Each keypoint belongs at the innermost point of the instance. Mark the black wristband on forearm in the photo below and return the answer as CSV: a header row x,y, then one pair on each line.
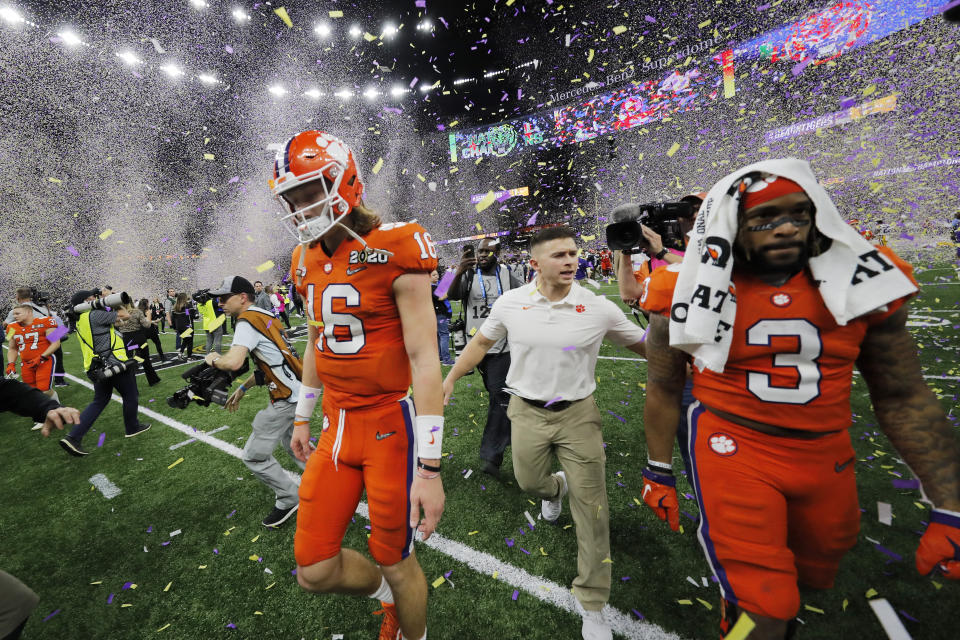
x,y
427,467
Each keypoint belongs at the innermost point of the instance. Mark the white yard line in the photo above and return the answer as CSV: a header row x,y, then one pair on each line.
x,y
541,588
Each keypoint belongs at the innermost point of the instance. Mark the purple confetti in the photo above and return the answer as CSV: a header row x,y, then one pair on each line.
x,y
110,599
616,416
73,251
58,611
230,515
638,614
570,348
516,594
103,436
557,399
58,333
524,550
230,625
228,48
882,549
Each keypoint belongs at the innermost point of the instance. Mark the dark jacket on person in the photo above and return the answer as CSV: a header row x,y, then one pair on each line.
x,y
23,400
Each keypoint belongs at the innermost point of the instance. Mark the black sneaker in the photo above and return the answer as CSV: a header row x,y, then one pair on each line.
x,y
72,447
490,469
140,429
278,516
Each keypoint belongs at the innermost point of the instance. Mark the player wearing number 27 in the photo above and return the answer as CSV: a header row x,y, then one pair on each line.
x,y
775,302
366,288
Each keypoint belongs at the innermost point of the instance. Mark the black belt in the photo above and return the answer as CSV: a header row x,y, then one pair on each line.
x,y
559,405
769,429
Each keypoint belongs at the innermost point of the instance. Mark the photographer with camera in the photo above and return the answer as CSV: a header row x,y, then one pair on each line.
x,y
258,334
106,363
213,318
182,316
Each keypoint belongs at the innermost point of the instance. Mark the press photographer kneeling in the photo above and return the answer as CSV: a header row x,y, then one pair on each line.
x,y
258,333
105,361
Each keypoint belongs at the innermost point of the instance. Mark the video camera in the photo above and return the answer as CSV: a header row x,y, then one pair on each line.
x,y
99,371
624,233
207,384
201,296
102,304
40,297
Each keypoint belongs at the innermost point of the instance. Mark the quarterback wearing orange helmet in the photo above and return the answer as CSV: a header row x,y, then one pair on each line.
x,y
366,286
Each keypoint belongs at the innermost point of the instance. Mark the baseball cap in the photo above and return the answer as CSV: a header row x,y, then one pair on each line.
x,y
234,284
81,296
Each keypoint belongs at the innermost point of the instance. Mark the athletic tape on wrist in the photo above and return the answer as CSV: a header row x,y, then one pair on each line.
x,y
307,401
429,436
666,467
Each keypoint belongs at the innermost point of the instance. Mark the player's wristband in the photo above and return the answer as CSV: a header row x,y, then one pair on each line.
x,y
429,436
427,467
307,400
659,255
660,467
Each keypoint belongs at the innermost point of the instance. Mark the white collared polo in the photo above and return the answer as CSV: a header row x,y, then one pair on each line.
x,y
554,344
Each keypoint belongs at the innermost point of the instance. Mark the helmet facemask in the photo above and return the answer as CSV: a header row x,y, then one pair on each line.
x,y
311,222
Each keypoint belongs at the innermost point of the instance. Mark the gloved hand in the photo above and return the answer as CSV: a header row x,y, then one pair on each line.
x,y
660,494
11,369
939,549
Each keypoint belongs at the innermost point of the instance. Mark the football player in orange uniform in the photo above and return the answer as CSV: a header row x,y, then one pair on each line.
x,y
28,340
366,288
773,465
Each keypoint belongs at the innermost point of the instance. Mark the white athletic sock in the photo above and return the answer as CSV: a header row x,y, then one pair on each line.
x,y
383,592
423,638
55,396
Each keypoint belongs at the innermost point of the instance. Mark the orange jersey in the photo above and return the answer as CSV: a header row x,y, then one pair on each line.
x,y
360,355
790,364
31,340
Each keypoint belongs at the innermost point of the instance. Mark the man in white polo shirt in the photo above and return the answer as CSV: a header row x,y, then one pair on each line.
x,y
555,327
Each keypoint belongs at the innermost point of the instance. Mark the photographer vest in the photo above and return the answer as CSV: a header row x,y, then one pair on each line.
x,y
85,333
268,326
211,321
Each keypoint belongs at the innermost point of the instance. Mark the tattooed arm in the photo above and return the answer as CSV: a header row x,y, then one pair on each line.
x,y
666,373
908,412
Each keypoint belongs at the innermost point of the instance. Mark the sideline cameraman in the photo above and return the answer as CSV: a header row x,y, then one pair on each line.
x,y
105,361
260,335
212,317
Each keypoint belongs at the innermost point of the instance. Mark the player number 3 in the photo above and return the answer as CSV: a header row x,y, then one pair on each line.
x,y
803,361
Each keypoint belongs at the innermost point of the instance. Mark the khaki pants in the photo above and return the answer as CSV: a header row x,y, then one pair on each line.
x,y
574,434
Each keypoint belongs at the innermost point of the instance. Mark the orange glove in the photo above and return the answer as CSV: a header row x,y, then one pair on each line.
x,y
11,369
660,494
939,549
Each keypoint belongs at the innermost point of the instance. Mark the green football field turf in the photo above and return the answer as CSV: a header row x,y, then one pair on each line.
x,y
113,568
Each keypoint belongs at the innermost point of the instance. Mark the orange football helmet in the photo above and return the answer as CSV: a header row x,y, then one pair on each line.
x,y
310,156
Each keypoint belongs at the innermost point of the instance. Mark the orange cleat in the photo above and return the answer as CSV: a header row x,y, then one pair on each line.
x,y
390,626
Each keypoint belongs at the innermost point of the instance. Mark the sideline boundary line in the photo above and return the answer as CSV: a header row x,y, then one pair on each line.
x,y
536,586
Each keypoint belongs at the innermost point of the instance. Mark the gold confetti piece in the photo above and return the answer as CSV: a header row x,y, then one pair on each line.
x,y
814,609
106,234
742,629
684,601
270,585
846,603
705,603
705,23
203,566
125,605
163,627
167,588
133,586
336,14
55,180
421,178
531,502
681,528
495,574
265,266
97,582
178,461
673,149
257,537
254,557
138,359
639,504
485,202
377,167
587,238
617,30
869,90
314,323
473,533
187,333
283,15
936,585
473,331
542,552
510,2
369,37
871,592
439,581
209,156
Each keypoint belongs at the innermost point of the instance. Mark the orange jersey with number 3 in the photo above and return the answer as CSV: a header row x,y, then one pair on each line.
x,y
31,340
790,364
360,354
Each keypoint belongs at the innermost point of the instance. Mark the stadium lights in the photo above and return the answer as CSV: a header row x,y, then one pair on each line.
x,y
463,81
322,29
172,70
425,25
389,30
11,15
425,87
370,93
69,38
315,94
355,31
198,4
207,78
240,15
495,73
398,91
277,90
344,94
129,58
